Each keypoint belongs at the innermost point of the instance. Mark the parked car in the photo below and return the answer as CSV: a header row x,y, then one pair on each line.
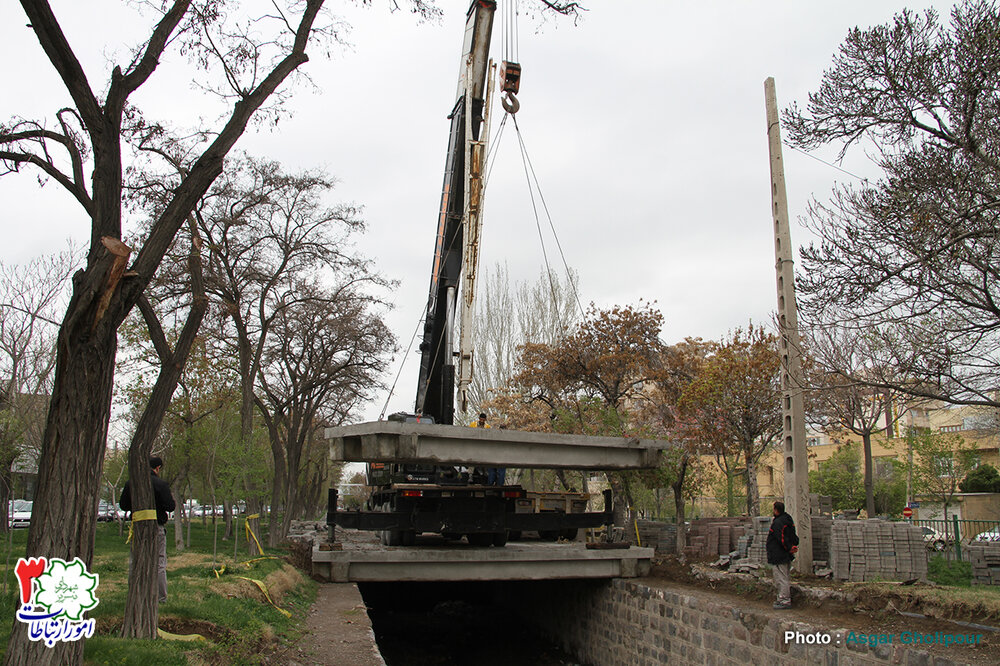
x,y
19,513
108,512
935,539
989,535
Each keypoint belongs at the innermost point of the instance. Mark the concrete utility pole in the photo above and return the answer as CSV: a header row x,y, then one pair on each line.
x,y
793,411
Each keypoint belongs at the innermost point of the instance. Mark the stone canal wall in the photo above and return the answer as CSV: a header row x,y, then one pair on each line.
x,y
626,623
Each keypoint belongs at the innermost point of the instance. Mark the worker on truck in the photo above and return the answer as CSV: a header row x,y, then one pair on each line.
x,y
495,476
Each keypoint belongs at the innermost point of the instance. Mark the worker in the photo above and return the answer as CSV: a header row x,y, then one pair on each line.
x,y
495,476
782,544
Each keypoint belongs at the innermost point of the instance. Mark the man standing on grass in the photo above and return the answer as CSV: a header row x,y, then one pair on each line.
x,y
782,544
164,505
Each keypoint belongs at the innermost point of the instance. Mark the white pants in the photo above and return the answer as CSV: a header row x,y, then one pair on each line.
x,y
782,580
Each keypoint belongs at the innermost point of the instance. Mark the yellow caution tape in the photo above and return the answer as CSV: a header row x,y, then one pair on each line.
x,y
179,637
145,514
250,532
267,596
218,572
259,559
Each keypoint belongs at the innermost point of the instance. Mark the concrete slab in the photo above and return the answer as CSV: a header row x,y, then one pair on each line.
x,y
418,443
461,562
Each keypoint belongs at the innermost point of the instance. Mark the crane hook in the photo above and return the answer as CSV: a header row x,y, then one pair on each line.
x,y
510,103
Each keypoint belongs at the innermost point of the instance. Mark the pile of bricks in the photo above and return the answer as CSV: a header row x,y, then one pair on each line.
x,y
985,559
659,535
822,528
867,550
711,537
820,505
758,552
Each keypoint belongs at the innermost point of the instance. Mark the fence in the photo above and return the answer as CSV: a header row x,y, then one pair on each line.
x,y
950,536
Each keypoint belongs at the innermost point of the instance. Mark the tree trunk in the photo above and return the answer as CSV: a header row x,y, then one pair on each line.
x,y
6,495
866,440
620,504
179,522
753,490
678,488
70,463
730,495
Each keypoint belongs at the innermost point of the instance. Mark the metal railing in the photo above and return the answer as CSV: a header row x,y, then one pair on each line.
x,y
950,536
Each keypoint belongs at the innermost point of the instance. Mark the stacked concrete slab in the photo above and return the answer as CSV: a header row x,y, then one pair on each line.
x,y
871,550
985,559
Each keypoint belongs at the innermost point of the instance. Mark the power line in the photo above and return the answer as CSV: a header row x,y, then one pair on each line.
x,y
822,161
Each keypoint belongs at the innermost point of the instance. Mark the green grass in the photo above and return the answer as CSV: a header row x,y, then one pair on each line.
x,y
945,572
230,612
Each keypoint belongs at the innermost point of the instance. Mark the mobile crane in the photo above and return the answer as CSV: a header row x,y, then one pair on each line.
x,y
413,497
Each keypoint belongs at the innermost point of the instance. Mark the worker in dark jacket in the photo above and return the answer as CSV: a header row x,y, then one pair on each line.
x,y
782,544
164,502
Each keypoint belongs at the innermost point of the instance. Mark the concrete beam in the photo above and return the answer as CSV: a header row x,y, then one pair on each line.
x,y
513,562
418,443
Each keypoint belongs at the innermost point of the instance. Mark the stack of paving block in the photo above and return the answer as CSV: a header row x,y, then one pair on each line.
x,y
716,536
821,535
821,505
985,559
661,536
870,550
758,550
840,550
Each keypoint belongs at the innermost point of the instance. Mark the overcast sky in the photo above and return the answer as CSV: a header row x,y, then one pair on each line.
x,y
645,124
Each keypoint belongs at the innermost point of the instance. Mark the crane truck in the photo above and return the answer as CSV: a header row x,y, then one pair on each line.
x,y
410,498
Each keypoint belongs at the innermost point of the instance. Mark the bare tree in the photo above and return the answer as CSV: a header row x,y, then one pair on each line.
x,y
323,360
912,259
30,295
839,402
266,231
508,316
253,68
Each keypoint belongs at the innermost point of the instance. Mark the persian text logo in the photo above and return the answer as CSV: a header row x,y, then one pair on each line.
x,y
54,596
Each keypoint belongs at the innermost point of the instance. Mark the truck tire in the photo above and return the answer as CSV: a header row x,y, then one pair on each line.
x,y
569,533
514,535
548,535
500,539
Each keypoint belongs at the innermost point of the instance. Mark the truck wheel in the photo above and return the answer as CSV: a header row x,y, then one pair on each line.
x,y
408,537
569,533
483,539
514,535
548,535
500,539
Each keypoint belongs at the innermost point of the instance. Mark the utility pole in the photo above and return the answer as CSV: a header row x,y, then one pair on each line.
x,y
793,441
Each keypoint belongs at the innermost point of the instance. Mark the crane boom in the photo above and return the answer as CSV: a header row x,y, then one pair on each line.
x,y
459,221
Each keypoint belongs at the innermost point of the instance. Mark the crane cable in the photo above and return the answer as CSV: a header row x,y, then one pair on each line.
x,y
528,167
402,364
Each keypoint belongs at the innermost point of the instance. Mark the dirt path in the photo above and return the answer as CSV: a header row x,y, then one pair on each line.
x,y
339,632
865,614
